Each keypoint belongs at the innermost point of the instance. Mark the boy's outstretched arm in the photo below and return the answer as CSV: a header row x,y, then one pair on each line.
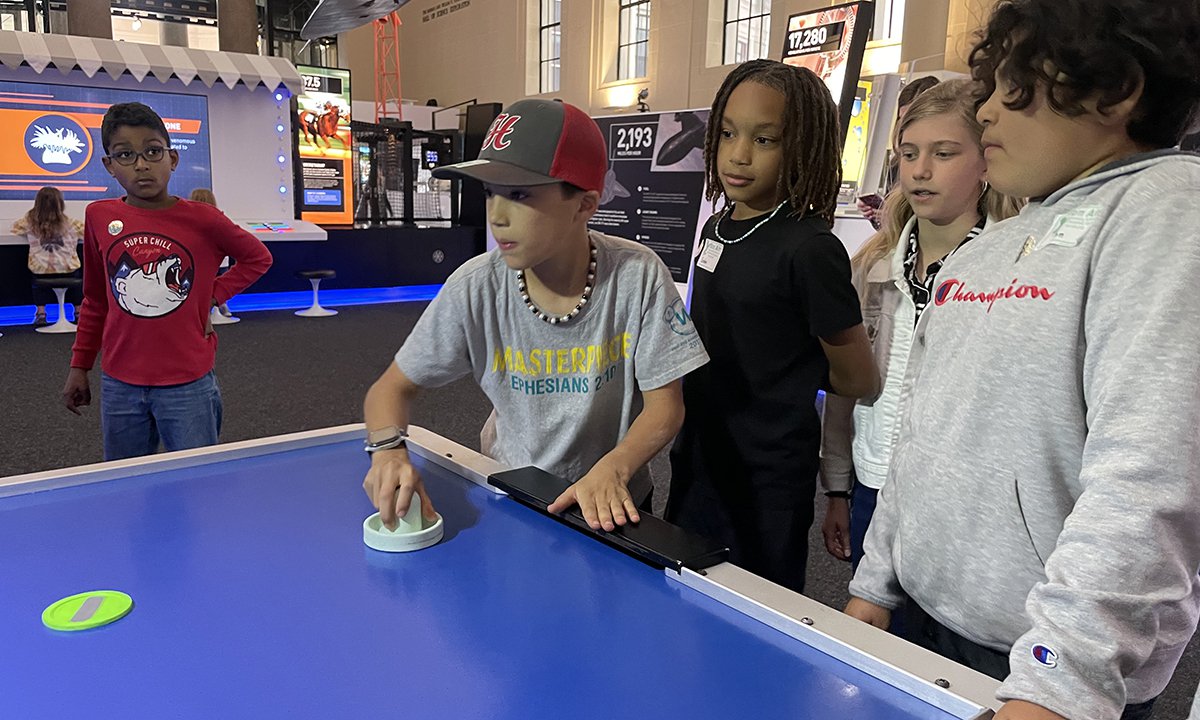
x,y
852,371
392,480
602,495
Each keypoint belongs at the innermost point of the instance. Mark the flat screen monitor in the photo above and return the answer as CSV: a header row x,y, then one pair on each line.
x,y
50,135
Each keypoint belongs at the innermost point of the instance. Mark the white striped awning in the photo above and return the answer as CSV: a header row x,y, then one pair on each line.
x,y
91,55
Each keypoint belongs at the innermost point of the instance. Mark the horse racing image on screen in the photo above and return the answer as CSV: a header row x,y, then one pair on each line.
x,y
323,130
50,135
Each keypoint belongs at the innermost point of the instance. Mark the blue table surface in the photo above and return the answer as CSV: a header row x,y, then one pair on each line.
x,y
255,597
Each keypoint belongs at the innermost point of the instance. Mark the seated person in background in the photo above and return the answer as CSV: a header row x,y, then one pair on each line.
x,y
53,238
564,329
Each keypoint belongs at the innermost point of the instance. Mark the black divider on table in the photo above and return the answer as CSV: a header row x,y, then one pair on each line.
x,y
652,540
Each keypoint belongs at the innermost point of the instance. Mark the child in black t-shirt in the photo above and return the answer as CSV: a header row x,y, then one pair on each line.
x,y
773,303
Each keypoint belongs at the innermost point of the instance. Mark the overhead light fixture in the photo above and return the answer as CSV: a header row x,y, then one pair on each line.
x,y
137,23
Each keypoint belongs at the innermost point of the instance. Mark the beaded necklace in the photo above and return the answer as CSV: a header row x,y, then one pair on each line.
x,y
583,300
760,223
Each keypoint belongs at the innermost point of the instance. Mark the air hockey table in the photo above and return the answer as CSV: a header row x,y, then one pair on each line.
x,y
255,597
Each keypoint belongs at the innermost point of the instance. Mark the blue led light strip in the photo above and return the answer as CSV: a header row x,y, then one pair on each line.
x,y
23,314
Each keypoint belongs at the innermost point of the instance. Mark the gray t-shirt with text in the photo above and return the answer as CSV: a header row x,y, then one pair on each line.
x,y
563,394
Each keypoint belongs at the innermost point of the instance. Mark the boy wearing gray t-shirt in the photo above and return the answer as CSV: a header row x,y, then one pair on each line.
x,y
561,327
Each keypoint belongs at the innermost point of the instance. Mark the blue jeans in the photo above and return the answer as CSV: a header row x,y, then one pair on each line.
x,y
135,418
862,509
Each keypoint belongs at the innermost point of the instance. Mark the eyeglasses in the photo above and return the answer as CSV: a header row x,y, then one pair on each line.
x,y
129,157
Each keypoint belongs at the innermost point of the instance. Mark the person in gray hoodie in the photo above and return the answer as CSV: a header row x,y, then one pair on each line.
x,y
1042,510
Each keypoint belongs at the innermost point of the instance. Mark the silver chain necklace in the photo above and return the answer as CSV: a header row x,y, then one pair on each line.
x,y
587,292
760,223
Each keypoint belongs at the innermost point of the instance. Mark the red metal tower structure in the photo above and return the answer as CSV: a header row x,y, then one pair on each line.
x,y
387,68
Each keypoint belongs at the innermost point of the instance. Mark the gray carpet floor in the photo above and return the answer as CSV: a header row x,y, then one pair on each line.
x,y
280,373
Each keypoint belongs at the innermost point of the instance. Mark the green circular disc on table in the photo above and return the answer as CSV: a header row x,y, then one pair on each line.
x,y
87,610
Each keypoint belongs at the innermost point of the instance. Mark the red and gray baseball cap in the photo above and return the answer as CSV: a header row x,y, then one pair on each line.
x,y
538,142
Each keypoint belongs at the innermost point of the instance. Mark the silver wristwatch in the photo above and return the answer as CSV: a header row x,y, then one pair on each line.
x,y
385,438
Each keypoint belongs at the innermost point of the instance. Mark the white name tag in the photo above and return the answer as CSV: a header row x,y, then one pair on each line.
x,y
1068,229
710,255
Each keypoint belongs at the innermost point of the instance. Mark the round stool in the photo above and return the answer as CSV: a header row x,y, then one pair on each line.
x,y
60,287
315,277
219,319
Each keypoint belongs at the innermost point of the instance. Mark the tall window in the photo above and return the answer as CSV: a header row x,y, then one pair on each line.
x,y
634,38
550,44
889,20
747,30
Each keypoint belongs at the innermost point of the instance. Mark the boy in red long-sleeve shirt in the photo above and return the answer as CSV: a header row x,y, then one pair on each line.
x,y
150,280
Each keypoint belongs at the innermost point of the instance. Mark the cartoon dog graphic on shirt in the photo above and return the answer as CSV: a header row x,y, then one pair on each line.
x,y
151,287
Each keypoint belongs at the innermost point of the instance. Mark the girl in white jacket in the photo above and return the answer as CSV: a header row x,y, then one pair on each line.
x,y
940,202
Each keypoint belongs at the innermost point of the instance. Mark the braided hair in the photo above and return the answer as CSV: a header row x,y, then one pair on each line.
x,y
811,170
